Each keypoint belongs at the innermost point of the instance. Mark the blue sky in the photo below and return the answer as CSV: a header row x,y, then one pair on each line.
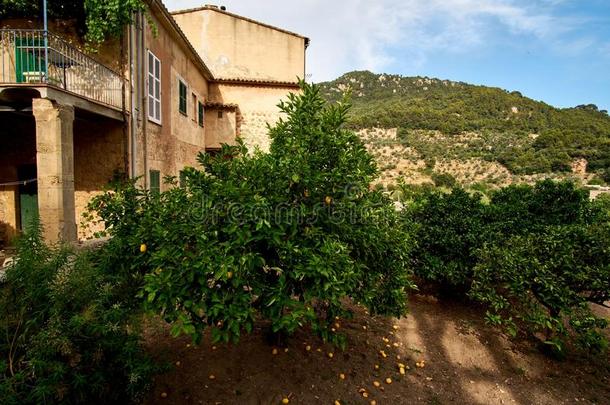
x,y
557,51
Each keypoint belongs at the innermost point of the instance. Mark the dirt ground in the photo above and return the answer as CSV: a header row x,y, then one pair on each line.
x,y
465,362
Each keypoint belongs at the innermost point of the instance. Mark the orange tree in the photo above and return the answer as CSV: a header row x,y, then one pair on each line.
x,y
535,256
287,235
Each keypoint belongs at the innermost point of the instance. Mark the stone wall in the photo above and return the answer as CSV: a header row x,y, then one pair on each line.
x,y
8,214
254,130
17,147
99,154
220,126
257,108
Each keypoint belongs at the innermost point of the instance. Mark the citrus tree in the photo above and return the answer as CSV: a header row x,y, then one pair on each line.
x,y
544,282
535,256
288,235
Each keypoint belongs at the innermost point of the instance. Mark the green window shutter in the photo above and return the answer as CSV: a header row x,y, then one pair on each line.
x,y
155,181
182,178
29,57
182,97
200,114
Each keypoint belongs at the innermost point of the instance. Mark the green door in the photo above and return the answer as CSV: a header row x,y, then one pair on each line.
x,y
29,59
28,195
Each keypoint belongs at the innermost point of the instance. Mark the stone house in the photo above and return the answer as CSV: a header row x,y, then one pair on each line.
x,y
144,106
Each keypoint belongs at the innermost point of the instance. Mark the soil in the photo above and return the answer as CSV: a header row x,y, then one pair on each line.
x,y
465,362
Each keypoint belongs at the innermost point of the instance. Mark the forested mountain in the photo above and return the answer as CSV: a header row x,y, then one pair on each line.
x,y
420,128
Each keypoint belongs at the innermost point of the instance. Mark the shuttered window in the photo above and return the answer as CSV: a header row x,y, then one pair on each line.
x,y
154,88
182,90
155,181
201,114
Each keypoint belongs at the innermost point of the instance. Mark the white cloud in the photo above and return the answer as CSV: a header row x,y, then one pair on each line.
x,y
358,34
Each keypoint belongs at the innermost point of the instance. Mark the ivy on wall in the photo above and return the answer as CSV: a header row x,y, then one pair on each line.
x,y
97,20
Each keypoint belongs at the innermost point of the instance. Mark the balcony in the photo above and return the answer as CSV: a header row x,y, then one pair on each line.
x,y
38,57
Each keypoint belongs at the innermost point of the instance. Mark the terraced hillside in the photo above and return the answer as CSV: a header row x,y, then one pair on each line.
x,y
430,130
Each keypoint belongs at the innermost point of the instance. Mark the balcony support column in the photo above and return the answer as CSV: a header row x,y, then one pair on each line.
x,y
55,168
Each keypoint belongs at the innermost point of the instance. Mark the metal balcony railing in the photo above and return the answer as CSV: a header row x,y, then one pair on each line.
x,y
40,57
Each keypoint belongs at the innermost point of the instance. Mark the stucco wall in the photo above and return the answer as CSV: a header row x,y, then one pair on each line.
x,y
233,47
175,143
257,107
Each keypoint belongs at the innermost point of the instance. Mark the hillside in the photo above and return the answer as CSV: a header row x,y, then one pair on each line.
x,y
422,129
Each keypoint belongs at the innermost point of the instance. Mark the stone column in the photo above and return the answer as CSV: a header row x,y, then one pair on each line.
x,y
55,169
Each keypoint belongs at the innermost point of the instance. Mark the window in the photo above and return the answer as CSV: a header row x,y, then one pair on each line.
x,y
194,103
154,88
182,97
182,178
200,114
155,181
219,114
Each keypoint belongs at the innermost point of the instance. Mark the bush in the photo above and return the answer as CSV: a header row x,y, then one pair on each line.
x,y
68,331
444,180
451,227
520,209
286,235
545,281
602,204
536,256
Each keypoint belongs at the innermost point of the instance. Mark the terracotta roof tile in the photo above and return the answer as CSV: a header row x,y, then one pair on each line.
x,y
219,105
268,82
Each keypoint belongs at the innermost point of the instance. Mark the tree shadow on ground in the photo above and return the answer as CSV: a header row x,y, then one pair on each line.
x,y
465,362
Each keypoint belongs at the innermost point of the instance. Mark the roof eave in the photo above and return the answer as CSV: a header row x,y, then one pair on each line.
x,y
218,10
164,12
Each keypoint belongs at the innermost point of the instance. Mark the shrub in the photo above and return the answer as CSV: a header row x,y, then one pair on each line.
x,y
602,204
286,235
536,256
67,330
444,180
546,280
605,175
451,227
523,209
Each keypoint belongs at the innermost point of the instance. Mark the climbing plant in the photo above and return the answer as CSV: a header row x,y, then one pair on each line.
x,y
106,18
97,20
